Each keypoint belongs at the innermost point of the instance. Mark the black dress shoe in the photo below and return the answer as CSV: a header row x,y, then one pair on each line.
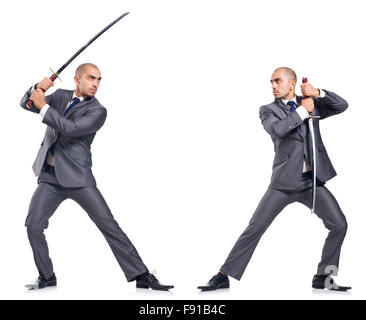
x,y
324,281
218,281
43,283
148,280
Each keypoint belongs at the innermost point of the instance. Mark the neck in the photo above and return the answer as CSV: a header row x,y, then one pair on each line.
x,y
289,97
78,93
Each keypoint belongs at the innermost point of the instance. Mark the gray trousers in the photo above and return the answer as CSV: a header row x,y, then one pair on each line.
x,y
272,203
46,200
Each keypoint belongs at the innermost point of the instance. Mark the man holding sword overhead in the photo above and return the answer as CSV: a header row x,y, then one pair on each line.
x,y
63,166
287,121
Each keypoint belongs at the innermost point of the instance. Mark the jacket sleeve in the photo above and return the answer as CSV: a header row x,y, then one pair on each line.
x,y
89,123
276,127
330,105
23,102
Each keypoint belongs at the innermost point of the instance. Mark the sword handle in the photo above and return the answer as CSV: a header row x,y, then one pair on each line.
x,y
30,103
304,80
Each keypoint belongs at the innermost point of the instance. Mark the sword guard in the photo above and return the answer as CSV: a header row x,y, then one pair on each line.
x,y
311,116
54,76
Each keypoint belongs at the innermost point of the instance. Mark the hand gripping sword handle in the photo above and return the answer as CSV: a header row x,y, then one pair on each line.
x,y
55,74
30,103
304,80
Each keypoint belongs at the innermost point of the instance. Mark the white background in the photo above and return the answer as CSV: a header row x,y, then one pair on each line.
x,y
182,159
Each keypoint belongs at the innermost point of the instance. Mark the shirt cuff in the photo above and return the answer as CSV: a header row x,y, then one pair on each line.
x,y
301,111
43,111
321,93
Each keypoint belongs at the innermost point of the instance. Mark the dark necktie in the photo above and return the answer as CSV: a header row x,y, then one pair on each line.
x,y
292,105
72,104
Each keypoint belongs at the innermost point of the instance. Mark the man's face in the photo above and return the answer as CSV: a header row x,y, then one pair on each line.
x,y
87,83
282,86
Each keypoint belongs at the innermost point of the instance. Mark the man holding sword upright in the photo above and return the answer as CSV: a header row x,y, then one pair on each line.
x,y
286,120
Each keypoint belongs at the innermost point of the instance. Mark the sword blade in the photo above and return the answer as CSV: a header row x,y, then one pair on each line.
x,y
311,127
90,42
56,74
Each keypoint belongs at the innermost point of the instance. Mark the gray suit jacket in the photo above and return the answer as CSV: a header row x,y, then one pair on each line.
x,y
291,143
75,133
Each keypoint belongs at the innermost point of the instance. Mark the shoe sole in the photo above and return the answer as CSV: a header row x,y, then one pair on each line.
x,y
317,287
332,289
225,286
143,286
36,287
49,284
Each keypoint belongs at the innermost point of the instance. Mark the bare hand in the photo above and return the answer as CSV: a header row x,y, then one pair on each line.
x,y
309,91
38,98
308,104
45,84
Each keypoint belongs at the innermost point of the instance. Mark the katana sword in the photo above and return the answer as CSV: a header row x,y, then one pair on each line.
x,y
56,74
313,142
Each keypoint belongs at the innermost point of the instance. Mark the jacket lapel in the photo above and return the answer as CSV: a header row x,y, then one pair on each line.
x,y
65,101
302,128
79,105
286,108
283,107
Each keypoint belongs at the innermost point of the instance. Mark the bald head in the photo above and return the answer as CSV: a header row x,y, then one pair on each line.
x,y
288,72
83,67
283,83
87,79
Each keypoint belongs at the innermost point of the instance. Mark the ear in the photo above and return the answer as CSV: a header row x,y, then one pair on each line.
x,y
77,80
293,84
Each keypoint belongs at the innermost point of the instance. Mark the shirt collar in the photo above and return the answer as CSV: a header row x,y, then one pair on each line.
x,y
293,99
74,96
